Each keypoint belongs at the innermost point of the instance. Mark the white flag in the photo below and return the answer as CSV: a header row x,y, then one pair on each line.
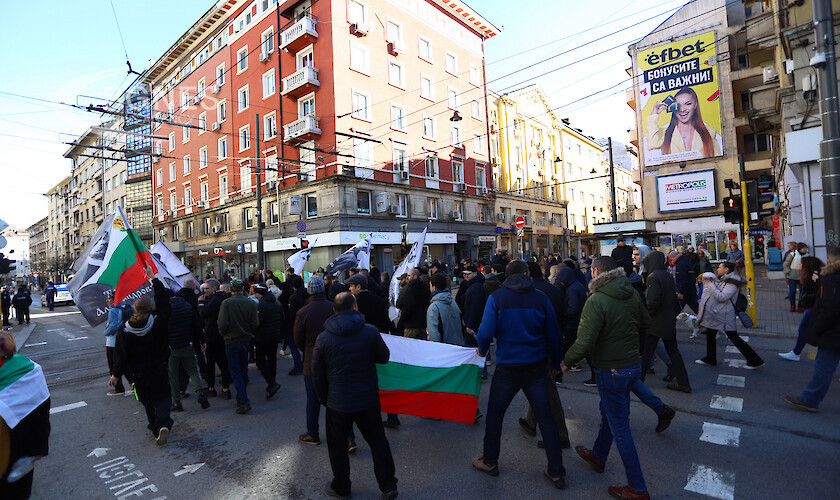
x,y
298,259
357,256
411,261
172,264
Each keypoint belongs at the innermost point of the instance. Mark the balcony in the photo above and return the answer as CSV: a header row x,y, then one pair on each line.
x,y
299,35
302,129
633,136
630,97
301,82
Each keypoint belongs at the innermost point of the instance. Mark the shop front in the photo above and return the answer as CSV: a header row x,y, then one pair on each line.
x,y
238,259
710,234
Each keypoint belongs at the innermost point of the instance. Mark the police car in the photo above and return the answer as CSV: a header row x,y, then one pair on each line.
x,y
62,296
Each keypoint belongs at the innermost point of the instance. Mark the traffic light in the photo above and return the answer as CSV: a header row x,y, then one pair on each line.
x,y
759,246
304,243
758,193
732,209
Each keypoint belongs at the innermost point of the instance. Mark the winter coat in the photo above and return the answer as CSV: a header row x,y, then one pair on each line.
x,y
792,266
22,299
5,299
296,301
556,296
143,350
374,308
184,325
443,319
190,296
808,294
212,306
575,297
412,302
619,253
522,320
661,298
474,300
683,276
492,283
309,322
272,320
824,330
735,256
717,309
238,319
50,291
610,324
638,284
703,266
344,363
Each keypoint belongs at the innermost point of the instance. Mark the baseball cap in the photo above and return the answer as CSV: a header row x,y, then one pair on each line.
x,y
470,270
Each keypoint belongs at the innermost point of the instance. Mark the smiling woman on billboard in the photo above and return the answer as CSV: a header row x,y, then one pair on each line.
x,y
687,120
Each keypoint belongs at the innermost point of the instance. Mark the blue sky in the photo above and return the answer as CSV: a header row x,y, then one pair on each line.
x,y
75,51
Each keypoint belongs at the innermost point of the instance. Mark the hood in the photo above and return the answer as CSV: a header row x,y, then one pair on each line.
x,y
478,279
675,259
644,250
566,276
731,278
519,283
654,261
143,329
830,269
345,323
444,296
612,283
269,298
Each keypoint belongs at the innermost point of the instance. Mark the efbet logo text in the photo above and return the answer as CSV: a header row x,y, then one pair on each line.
x,y
682,186
673,53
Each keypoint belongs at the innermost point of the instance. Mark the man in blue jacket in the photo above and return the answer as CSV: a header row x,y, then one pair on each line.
x,y
686,289
522,320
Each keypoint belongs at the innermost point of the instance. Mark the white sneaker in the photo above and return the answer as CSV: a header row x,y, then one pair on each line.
x,y
163,436
790,356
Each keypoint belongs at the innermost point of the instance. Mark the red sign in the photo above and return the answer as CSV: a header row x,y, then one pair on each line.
x,y
519,221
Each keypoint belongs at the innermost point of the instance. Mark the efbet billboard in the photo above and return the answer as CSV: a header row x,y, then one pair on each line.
x,y
679,100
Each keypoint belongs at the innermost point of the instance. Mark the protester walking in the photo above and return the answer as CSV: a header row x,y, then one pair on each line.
x,y
268,336
575,297
344,361
215,352
238,322
373,307
473,305
686,288
116,317
184,331
809,291
443,318
295,301
412,302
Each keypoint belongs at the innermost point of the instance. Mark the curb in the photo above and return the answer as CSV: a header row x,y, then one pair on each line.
x,y
23,335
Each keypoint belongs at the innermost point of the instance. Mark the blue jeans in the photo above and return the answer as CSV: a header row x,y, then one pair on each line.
x,y
237,355
793,286
824,367
614,386
313,407
646,396
803,326
507,382
296,355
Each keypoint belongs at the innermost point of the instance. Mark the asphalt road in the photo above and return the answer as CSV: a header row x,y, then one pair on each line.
x,y
766,450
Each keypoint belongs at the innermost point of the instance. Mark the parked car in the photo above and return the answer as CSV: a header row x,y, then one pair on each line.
x,y
62,296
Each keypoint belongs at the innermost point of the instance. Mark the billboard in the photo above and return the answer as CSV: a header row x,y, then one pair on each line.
x,y
679,100
686,191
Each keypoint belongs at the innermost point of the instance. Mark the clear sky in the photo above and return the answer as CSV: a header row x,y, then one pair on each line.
x,y
74,55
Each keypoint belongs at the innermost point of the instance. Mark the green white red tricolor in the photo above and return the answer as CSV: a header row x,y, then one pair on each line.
x,y
22,389
430,379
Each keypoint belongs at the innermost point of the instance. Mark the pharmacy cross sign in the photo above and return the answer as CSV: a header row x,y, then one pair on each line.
x,y
520,222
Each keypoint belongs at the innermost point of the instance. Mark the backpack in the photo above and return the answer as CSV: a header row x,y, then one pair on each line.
x,y
740,303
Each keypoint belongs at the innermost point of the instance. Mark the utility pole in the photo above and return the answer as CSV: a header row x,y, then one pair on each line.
x,y
612,181
748,260
260,255
824,61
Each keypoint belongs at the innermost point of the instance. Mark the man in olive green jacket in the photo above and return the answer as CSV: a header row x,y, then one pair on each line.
x,y
238,322
612,319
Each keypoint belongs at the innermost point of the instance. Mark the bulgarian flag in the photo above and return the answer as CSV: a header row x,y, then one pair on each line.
x,y
22,388
430,379
124,263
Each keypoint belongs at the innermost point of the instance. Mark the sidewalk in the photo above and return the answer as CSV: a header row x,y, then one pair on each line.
x,y
772,308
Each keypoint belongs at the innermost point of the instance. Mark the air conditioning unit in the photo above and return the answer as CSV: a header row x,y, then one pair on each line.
x,y
501,217
358,29
396,48
455,215
403,175
196,99
155,159
163,231
201,204
264,56
216,126
272,184
216,229
216,88
168,213
394,210
460,187
481,190
770,74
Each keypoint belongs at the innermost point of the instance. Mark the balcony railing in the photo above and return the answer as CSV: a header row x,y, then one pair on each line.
x,y
305,77
298,31
302,126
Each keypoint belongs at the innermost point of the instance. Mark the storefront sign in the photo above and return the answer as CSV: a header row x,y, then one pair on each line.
x,y
381,202
486,239
351,238
679,100
500,229
686,191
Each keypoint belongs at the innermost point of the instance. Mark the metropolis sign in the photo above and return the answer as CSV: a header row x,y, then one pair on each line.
x,y
686,191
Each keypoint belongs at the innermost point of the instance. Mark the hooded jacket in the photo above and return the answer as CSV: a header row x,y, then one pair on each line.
x,y
683,276
344,362
492,282
309,322
660,297
474,300
272,319
522,320
824,329
610,323
716,309
412,303
575,297
443,319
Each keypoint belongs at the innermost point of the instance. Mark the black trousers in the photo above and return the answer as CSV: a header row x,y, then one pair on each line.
x,y
753,359
6,311
157,412
267,361
369,423
110,352
677,367
22,313
216,356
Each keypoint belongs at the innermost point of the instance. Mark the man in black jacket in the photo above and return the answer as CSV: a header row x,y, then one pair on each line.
x,y
686,288
824,333
374,308
268,337
184,331
215,351
296,301
6,304
413,302
344,373
22,300
622,251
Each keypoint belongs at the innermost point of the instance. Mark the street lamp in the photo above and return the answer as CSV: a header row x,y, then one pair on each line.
x,y
455,117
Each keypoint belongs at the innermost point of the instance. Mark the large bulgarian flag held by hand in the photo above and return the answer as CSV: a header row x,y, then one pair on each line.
x,y
430,379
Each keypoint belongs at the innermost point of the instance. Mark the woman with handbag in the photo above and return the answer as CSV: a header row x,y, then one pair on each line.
x,y
809,291
717,311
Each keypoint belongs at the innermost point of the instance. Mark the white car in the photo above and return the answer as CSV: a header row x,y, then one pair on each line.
x,y
62,296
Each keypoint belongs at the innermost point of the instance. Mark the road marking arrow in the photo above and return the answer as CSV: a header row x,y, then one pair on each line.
x,y
188,469
98,452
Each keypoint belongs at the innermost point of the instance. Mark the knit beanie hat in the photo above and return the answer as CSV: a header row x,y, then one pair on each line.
x,y
800,246
315,285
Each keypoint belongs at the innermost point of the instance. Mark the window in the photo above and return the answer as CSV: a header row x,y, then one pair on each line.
x,y
249,218
171,141
431,163
459,210
159,177
361,105
268,84
273,213
245,177
363,151
202,88
583,221
757,143
396,74
188,196
363,202
202,157
225,221
478,143
202,123
108,185
185,99
223,152
480,179
189,229
221,111
242,60
359,58
398,117
270,125
425,49
243,98
172,171
453,98
187,165
158,118
186,135
306,59
428,127
311,205
451,63
475,79
223,185
402,205
427,87
205,191
455,135
268,42
245,138
476,109
220,75
173,201
457,172
432,205
481,213
357,12
306,106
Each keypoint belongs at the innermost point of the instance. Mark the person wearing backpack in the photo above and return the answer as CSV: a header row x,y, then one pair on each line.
x,y
792,268
717,311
